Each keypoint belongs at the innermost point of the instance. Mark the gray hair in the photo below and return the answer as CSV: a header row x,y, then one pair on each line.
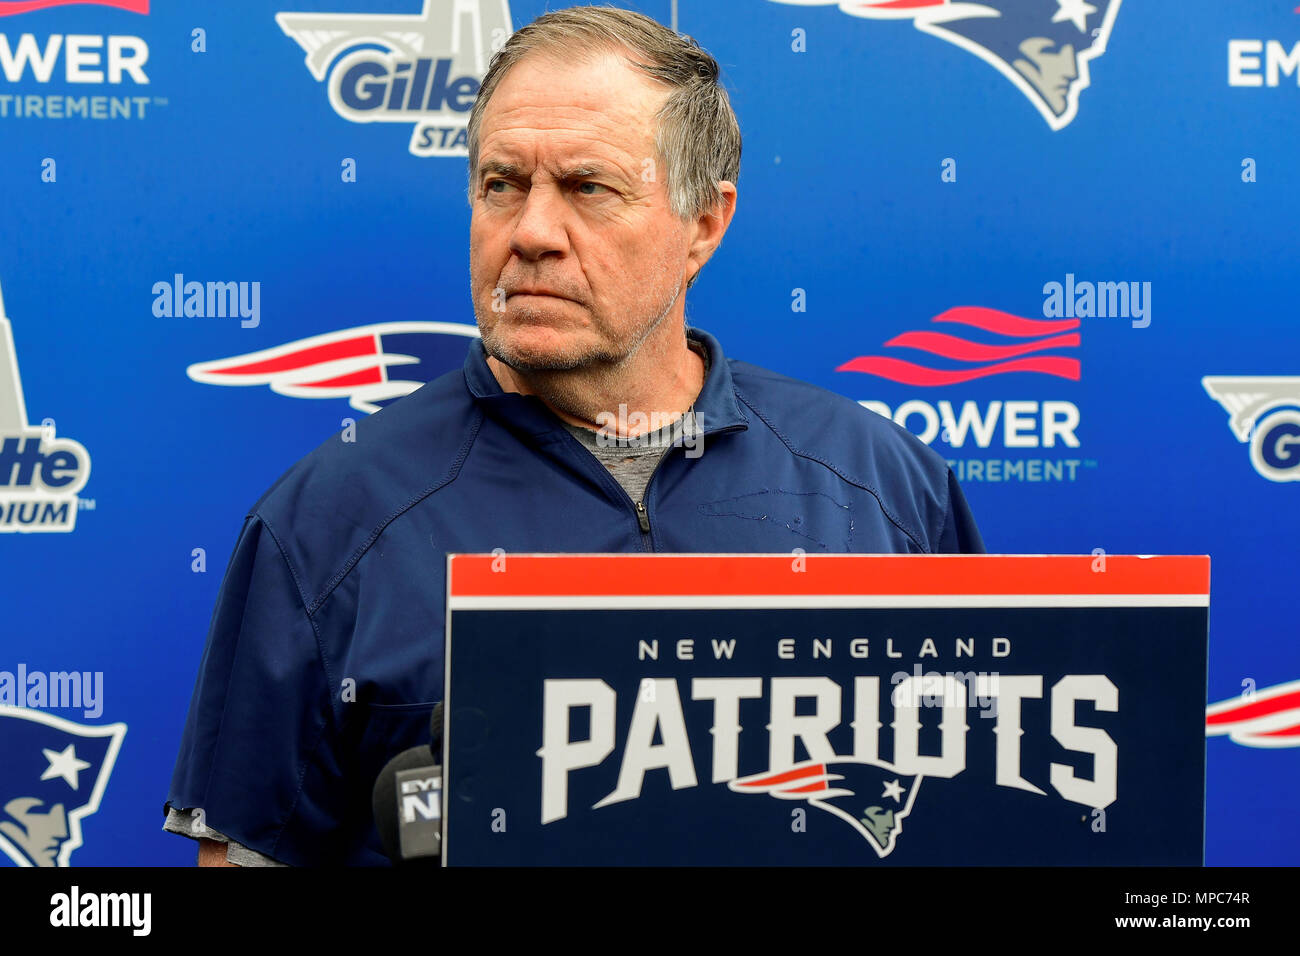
x,y
696,132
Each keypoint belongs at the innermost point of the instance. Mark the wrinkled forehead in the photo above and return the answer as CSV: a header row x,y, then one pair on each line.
x,y
549,109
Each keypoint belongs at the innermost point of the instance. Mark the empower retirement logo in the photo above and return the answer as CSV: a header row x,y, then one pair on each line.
x,y
73,75
984,343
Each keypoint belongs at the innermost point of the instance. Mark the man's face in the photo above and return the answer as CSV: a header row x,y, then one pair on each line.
x,y
575,255
1050,70
39,834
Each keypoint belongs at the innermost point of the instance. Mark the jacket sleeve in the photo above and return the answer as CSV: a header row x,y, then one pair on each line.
x,y
959,534
260,706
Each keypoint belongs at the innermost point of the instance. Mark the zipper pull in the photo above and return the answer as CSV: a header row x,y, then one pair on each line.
x,y
642,517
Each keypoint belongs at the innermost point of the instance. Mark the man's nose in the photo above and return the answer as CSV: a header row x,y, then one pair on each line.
x,y
1071,63
59,821
540,229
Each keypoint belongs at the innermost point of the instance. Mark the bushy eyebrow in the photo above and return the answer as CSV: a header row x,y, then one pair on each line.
x,y
490,168
567,173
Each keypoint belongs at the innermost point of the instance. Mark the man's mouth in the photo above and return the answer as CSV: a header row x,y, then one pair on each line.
x,y
538,292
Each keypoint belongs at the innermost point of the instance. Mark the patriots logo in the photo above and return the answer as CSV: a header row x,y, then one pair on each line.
x,y
870,796
371,365
1258,718
52,775
1042,46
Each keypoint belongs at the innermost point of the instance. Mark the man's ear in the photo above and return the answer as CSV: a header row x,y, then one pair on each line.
x,y
708,230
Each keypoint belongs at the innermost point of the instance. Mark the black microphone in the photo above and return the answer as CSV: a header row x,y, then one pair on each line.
x,y
407,802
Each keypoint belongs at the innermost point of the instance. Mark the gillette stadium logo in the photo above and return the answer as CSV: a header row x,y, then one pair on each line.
x,y
370,366
55,773
1263,413
1044,47
981,343
40,473
423,69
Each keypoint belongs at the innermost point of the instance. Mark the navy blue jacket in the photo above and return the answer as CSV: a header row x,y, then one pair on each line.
x,y
325,652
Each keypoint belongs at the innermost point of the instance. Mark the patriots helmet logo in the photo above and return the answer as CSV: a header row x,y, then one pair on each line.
x,y
52,775
870,796
371,365
1042,46
1258,718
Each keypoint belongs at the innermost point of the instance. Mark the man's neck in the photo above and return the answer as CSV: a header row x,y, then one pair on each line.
x,y
661,380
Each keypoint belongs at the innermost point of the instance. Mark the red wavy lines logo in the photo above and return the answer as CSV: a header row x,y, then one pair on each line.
x,y
1013,344
1265,718
9,7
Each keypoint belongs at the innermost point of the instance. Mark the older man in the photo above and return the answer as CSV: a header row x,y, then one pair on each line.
x,y
603,162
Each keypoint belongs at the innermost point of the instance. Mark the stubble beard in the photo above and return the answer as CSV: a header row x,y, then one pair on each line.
x,y
573,380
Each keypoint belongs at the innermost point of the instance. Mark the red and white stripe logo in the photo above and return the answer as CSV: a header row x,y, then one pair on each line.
x,y
10,7
1258,718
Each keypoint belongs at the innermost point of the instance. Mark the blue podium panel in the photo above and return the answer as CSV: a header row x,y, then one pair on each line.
x,y
842,710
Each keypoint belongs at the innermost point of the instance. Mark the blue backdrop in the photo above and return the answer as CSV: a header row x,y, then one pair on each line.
x,y
902,165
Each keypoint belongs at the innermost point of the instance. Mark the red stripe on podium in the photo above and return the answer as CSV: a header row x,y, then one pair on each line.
x,y
531,575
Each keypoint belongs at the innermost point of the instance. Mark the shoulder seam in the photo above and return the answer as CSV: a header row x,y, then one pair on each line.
x,y
757,371
362,548
894,519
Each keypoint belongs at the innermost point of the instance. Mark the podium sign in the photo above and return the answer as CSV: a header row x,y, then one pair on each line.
x,y
828,709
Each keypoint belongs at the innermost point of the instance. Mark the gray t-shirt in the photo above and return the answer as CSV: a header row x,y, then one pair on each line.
x,y
631,462
191,823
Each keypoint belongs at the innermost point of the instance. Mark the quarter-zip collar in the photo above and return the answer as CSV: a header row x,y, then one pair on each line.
x,y
717,408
